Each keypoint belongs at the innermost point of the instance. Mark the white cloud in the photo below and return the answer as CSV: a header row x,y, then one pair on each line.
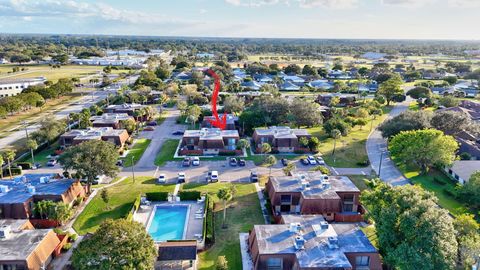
x,y
203,11
407,3
335,4
464,3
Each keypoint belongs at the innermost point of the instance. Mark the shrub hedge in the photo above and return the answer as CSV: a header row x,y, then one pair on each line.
x,y
157,196
189,195
209,222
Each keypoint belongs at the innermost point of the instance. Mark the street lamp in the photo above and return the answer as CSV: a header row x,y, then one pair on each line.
x,y
25,126
133,170
380,165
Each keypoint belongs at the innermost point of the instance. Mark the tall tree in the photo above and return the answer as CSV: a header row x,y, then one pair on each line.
x,y
452,122
425,148
90,159
409,120
117,244
49,130
233,104
412,231
9,156
305,113
390,89
32,145
225,195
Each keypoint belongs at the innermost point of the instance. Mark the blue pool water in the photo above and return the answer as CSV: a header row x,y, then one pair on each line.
x,y
168,223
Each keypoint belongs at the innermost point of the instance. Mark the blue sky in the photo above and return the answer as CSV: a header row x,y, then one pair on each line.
x,y
391,19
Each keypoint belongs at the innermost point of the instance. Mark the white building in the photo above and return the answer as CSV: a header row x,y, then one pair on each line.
x,y
461,170
13,87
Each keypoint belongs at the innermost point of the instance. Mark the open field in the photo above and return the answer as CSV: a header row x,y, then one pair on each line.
x,y
122,196
350,150
52,74
166,152
244,212
136,152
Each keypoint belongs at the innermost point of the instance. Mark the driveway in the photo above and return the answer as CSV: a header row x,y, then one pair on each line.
x,y
379,155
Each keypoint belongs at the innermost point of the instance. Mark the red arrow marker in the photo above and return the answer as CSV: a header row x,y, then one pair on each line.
x,y
219,123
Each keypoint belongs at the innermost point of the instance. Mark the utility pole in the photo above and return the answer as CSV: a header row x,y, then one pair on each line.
x,y
133,170
380,165
26,130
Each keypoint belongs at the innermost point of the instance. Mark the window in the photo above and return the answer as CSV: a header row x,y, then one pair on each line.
x,y
362,261
348,198
274,264
285,208
348,208
286,198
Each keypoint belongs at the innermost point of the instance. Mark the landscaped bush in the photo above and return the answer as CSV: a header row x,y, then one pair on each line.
x,y
322,169
59,231
15,171
67,246
439,181
157,196
189,195
209,222
364,162
225,153
450,192
72,237
136,203
25,165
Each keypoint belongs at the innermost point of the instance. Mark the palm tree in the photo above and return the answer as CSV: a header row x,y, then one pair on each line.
x,y
335,134
270,161
32,144
9,155
266,148
225,195
243,144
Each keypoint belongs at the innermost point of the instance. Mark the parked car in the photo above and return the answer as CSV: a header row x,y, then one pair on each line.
x,y
233,161
152,123
51,162
149,128
181,177
320,160
253,177
284,161
195,161
241,162
311,160
304,161
178,133
162,178
186,162
212,176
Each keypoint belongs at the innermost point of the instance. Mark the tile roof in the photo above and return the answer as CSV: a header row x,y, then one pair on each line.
x,y
211,133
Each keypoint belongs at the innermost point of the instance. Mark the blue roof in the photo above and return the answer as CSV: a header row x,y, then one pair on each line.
x,y
252,85
321,84
289,86
18,192
293,78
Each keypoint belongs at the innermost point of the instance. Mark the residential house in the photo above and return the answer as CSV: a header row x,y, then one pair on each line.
x,y
116,136
112,120
262,78
13,87
443,90
309,242
339,75
232,121
23,247
182,76
346,100
462,170
288,86
469,144
252,85
128,108
294,79
471,108
369,87
17,196
209,141
373,55
313,193
282,139
179,254
321,84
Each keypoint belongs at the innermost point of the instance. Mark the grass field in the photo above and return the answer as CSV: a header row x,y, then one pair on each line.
x,y
349,149
413,106
52,74
166,152
136,152
122,196
42,156
243,213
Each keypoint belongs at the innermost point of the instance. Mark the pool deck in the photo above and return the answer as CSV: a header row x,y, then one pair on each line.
x,y
194,226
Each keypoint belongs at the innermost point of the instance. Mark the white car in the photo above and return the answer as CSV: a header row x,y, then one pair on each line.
x,y
195,161
162,178
181,177
214,176
311,160
320,160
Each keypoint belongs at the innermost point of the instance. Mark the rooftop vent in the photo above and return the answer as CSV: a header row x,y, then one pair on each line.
x,y
326,184
3,189
31,189
5,231
323,225
332,242
299,243
295,227
44,180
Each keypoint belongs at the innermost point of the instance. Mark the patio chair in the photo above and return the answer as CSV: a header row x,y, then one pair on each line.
x,y
199,211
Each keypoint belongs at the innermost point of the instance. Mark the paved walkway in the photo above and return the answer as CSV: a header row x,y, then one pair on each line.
x,y
247,263
263,202
380,157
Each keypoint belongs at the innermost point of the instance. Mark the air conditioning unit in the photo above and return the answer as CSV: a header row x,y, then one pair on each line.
x,y
332,242
295,227
299,243
323,225
31,189
3,189
5,231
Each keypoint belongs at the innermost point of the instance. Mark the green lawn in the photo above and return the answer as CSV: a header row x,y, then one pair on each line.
x,y
136,152
52,74
122,196
359,181
413,106
445,200
349,149
167,152
243,213
41,157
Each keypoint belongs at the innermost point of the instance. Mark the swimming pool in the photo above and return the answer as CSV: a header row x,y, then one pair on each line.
x,y
168,222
